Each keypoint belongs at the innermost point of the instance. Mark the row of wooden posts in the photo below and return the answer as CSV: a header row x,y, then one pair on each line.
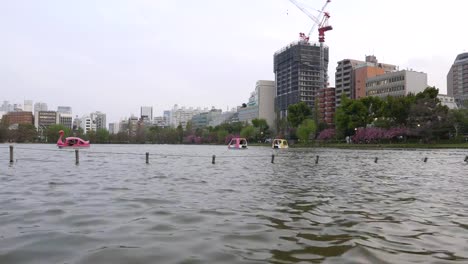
x,y
213,158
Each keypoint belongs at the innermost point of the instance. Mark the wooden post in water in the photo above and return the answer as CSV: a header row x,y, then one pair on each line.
x,y
376,159
425,159
316,159
11,154
213,159
147,157
77,156
466,158
272,158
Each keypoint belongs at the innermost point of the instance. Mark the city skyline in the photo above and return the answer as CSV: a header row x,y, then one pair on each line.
x,y
115,57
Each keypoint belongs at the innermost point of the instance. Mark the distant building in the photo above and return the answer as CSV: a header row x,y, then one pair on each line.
x,y
124,126
351,76
93,122
261,104
87,124
44,119
114,128
224,117
182,115
397,84
167,115
133,126
66,120
297,75
203,119
326,98
99,119
457,80
39,106
146,113
160,121
344,81
20,117
28,106
6,107
64,109
448,101
76,123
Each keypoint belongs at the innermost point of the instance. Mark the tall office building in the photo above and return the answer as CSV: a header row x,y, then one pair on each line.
x,y
28,106
44,119
99,119
351,76
182,115
261,104
146,113
297,75
39,106
457,80
65,120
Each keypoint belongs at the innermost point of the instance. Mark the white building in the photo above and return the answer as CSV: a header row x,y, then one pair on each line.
x,y
182,115
93,122
146,113
448,101
397,84
87,124
261,104
39,106
114,128
222,118
99,119
28,106
65,119
160,121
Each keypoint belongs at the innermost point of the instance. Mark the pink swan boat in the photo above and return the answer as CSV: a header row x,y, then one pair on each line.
x,y
71,142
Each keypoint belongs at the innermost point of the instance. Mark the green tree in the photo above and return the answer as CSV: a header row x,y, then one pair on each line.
x,y
25,133
180,133
91,136
262,129
221,135
248,132
459,120
350,115
427,116
152,134
188,128
306,129
121,137
102,135
297,113
52,132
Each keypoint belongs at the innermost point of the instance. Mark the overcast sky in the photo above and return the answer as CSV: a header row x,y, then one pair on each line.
x,y
115,56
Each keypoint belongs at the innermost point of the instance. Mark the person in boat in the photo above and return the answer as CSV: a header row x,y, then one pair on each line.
x,y
71,142
242,143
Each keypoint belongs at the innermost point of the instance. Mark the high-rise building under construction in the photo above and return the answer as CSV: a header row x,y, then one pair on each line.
x,y
297,75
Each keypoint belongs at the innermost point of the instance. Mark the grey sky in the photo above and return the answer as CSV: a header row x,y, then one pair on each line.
x,y
115,56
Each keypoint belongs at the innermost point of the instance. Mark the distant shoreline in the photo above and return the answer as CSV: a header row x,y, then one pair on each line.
x,y
387,146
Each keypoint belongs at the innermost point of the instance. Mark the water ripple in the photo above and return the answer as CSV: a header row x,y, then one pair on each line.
x,y
183,209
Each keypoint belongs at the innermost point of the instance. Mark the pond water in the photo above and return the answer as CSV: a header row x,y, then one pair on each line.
x,y
180,208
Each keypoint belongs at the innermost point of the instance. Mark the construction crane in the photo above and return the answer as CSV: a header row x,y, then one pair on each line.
x,y
320,21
